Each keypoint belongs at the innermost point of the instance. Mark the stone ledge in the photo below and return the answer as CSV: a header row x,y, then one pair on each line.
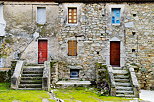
x,y
73,82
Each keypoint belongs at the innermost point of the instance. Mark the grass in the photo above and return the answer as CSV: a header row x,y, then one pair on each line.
x,y
85,95
9,95
79,94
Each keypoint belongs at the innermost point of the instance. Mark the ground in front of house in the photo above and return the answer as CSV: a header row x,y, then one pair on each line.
x,y
9,95
82,94
78,94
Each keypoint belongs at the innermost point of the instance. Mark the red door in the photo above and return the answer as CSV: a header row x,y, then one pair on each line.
x,y
42,51
115,53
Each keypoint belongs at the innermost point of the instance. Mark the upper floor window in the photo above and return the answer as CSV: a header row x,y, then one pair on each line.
x,y
115,15
72,15
72,48
41,15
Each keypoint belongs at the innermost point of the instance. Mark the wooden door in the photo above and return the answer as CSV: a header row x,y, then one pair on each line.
x,y
115,53
42,51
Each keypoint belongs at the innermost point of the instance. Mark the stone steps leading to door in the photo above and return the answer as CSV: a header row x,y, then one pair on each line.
x,y
31,78
123,83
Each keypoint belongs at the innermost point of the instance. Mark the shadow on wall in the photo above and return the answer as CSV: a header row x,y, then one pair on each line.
x,y
5,75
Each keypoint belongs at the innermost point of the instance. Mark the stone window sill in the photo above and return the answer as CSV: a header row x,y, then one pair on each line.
x,y
116,24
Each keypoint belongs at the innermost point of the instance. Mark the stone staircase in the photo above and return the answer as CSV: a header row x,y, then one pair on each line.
x,y
124,87
31,78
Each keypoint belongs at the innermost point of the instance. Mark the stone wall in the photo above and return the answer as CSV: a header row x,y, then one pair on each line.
x,y
140,38
23,29
93,33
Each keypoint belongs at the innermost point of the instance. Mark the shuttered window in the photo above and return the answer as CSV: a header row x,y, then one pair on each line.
x,y
72,15
41,15
115,15
72,48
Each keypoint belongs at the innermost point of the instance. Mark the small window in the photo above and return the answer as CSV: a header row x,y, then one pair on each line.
x,y
72,48
72,15
115,15
41,15
1,42
74,73
1,62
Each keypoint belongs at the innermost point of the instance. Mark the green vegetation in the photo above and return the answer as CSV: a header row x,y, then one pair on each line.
x,y
9,95
81,94
78,94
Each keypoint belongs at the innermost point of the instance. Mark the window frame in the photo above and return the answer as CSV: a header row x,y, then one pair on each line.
x,y
65,7
37,15
122,12
74,71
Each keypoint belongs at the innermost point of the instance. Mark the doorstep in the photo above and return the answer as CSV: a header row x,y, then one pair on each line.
x,y
73,82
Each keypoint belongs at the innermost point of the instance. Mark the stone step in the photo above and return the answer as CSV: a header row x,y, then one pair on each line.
x,y
122,84
124,88
122,72
31,78
32,75
32,72
124,92
29,88
30,85
123,95
32,69
121,76
117,68
122,80
31,82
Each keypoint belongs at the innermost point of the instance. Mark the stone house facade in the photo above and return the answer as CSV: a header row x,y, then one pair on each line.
x,y
80,34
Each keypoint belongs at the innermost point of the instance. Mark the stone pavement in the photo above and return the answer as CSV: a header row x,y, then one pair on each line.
x,y
147,95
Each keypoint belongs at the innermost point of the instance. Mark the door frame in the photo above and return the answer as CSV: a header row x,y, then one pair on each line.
x,y
122,52
118,52
38,49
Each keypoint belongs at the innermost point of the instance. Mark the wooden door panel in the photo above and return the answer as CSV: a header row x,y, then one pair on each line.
x,y
42,51
115,53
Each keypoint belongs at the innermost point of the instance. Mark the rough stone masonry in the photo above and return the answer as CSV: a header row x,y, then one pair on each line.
x,y
93,32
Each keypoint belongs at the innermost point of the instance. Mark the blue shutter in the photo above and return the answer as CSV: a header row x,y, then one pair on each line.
x,y
116,15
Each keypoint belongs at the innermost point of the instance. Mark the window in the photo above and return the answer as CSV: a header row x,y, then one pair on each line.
x,y
74,73
41,15
115,15
1,42
1,62
72,15
72,48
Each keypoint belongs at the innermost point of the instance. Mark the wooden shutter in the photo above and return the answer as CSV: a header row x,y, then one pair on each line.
x,y
72,48
72,15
